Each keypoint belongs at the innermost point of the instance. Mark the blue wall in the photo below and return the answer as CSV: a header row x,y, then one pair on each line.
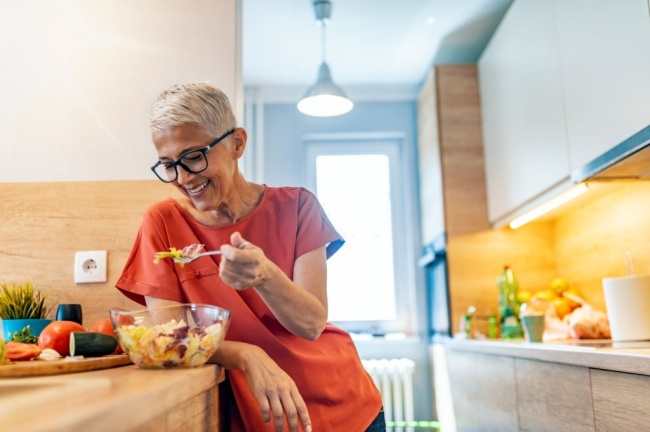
x,y
284,127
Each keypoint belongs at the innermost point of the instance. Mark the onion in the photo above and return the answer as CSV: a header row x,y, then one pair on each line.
x,y
48,354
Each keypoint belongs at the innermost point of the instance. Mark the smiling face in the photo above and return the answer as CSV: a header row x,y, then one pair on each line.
x,y
216,186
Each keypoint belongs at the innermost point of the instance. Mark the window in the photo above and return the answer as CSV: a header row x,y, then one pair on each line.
x,y
358,184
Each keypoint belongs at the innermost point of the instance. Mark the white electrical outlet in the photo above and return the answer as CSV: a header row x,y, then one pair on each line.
x,y
90,266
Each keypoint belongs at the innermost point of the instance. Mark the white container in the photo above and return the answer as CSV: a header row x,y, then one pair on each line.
x,y
628,307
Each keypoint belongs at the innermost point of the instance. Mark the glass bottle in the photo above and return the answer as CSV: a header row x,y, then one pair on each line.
x,y
510,326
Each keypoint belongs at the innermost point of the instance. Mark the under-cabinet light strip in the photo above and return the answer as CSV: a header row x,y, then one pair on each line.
x,y
549,205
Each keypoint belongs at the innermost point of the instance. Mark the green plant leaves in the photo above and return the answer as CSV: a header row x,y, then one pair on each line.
x,y
22,301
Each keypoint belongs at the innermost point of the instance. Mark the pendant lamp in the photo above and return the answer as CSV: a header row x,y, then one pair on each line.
x,y
324,99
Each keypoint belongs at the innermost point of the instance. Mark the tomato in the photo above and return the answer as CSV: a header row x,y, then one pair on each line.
x,y
124,320
105,327
17,351
56,335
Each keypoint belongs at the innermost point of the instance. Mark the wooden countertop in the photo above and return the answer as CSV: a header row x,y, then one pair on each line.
x,y
118,399
630,360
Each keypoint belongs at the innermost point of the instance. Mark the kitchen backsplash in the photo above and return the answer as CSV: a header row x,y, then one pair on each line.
x,y
592,239
44,224
584,243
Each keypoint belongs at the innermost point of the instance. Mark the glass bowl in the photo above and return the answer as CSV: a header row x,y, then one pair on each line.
x,y
179,336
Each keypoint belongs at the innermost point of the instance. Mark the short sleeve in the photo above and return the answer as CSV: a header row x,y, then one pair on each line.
x,y
314,227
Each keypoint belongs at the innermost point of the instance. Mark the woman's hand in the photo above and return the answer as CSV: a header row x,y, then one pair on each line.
x,y
243,265
275,391
300,305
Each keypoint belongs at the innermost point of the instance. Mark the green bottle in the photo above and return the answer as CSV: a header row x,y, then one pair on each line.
x,y
510,326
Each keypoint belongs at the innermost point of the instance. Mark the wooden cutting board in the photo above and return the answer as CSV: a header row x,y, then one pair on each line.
x,y
61,366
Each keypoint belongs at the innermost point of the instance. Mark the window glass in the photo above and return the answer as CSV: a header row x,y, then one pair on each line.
x,y
359,185
355,191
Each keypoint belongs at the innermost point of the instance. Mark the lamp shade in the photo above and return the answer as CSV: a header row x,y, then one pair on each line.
x,y
325,99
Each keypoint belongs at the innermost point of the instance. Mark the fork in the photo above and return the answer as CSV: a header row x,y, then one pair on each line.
x,y
188,259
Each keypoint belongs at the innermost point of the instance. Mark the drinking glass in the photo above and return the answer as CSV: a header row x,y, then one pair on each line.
x,y
69,312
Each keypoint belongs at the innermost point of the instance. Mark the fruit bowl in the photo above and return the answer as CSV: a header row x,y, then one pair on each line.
x,y
179,336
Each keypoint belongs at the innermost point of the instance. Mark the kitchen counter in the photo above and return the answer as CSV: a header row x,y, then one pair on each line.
x,y
569,352
123,398
514,385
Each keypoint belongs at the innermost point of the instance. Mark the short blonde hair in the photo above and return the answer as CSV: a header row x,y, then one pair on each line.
x,y
199,103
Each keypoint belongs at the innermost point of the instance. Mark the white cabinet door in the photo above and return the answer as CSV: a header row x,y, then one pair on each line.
x,y
526,150
431,195
605,58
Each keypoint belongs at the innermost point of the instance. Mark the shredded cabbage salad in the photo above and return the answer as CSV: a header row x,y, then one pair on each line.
x,y
173,344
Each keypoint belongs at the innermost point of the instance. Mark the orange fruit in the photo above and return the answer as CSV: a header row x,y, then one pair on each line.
x,y
575,292
562,307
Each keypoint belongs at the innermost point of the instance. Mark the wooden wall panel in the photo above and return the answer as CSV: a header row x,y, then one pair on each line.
x,y
594,236
461,149
44,224
476,260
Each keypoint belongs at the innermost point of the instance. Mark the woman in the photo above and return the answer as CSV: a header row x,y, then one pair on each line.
x,y
287,367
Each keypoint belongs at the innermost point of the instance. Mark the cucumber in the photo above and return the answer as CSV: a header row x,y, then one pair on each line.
x,y
91,344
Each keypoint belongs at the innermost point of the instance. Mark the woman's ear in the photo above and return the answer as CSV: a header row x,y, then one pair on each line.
x,y
240,138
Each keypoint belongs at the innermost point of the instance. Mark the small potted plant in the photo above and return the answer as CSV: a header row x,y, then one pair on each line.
x,y
23,311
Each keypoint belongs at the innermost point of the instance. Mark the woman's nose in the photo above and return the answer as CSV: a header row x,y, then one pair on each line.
x,y
182,175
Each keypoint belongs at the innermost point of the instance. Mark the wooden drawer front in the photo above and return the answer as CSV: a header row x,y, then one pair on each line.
x,y
621,401
483,391
553,397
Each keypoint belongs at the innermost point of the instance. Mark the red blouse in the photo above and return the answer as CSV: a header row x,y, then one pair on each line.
x,y
287,223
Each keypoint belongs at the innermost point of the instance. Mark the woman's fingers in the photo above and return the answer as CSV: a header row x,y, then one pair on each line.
x,y
290,406
242,264
277,396
298,412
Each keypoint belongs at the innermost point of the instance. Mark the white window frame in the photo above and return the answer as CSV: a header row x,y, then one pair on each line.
x,y
391,145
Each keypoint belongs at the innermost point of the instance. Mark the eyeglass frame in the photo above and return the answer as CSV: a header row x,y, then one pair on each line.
x,y
178,162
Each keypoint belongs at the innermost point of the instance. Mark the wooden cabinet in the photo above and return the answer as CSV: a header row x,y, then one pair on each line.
x,y
501,393
605,73
553,397
524,133
493,392
483,391
450,145
620,401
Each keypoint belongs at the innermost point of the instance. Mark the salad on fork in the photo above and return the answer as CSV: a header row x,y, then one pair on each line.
x,y
187,254
183,256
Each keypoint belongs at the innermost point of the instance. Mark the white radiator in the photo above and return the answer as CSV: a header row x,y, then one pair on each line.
x,y
394,379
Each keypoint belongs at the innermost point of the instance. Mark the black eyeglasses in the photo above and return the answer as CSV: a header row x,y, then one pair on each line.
x,y
193,162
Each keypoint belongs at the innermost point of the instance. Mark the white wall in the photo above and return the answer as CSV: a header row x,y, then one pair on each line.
x,y
77,79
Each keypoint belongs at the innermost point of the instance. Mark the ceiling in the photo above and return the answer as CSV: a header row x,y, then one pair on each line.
x,y
376,49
